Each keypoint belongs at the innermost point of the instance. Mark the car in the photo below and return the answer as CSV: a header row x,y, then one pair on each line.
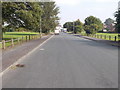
x,y
57,32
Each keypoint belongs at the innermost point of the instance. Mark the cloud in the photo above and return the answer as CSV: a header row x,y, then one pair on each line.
x,y
68,2
106,0
76,2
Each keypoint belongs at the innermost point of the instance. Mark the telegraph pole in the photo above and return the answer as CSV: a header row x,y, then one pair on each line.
x,y
73,26
40,27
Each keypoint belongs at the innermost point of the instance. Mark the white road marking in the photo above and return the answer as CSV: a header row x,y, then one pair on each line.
x,y
42,49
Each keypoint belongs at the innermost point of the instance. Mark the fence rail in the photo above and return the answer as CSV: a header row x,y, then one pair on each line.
x,y
12,42
106,37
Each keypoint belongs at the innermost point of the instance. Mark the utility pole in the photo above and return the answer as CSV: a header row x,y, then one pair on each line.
x,y
40,27
67,27
73,27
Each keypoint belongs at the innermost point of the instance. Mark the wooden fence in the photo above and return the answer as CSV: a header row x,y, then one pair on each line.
x,y
12,42
105,37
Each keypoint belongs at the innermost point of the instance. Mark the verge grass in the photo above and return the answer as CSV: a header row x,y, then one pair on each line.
x,y
15,35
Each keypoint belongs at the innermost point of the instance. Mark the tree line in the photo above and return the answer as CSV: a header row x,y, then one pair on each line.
x,y
92,25
29,16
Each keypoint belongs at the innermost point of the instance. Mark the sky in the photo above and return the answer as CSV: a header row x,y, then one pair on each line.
x,y
71,10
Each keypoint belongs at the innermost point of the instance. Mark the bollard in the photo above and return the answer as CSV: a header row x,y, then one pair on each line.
x,y
3,44
12,42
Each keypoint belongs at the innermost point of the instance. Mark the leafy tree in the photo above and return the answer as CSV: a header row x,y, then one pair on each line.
x,y
49,16
117,15
69,26
93,25
78,26
29,15
21,14
75,27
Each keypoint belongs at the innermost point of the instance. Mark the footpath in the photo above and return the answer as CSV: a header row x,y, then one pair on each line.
x,y
113,43
9,56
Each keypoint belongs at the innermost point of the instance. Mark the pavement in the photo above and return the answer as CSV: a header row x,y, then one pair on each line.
x,y
11,55
66,61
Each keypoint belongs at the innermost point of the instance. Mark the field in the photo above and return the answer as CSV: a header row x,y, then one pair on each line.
x,y
15,35
10,35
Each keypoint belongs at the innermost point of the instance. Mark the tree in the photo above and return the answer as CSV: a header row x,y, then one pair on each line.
x,y
75,27
29,15
49,16
78,26
69,26
109,23
117,15
21,14
93,25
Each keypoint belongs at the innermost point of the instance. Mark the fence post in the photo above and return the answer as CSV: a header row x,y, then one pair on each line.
x,y
118,38
104,36
22,38
3,44
29,37
101,36
26,38
18,40
12,42
115,38
109,37
32,36
98,36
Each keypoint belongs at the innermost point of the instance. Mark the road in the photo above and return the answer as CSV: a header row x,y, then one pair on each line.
x,y
67,61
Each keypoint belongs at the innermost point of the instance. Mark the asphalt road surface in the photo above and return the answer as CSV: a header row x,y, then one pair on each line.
x,y
67,61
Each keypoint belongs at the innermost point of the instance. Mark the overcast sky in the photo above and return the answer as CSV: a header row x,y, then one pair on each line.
x,y
71,10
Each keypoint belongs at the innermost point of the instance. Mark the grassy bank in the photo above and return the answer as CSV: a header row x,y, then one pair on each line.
x,y
15,35
108,36
104,36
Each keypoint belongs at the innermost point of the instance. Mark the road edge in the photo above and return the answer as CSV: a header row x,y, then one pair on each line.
x,y
20,59
101,41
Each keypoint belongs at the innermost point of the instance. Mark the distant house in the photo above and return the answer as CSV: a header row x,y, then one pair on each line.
x,y
109,28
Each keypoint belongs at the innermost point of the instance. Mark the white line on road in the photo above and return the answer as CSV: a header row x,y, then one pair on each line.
x,y
19,60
